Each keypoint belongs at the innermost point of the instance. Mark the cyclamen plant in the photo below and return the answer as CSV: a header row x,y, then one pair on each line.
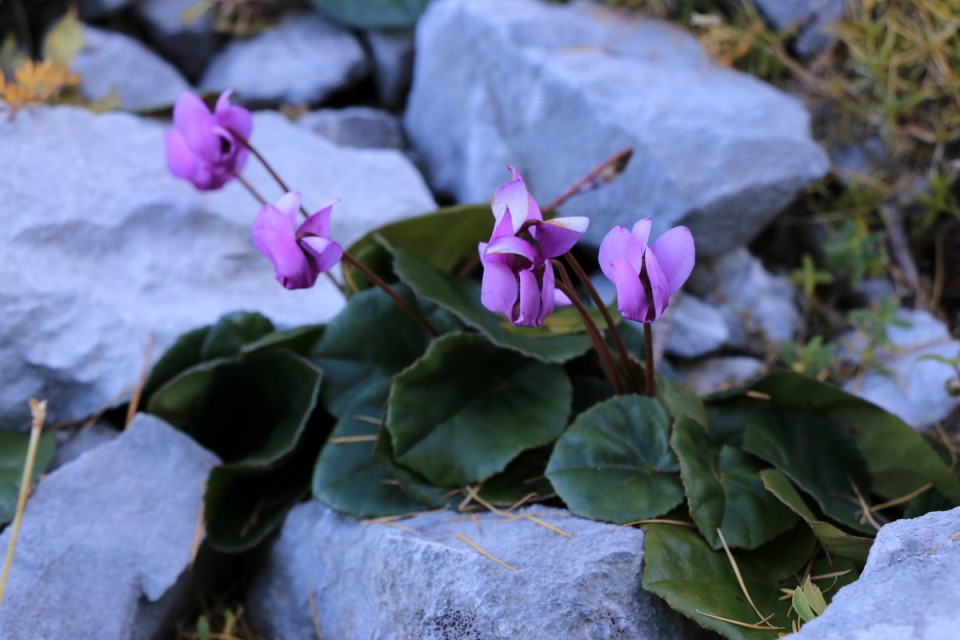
x,y
434,388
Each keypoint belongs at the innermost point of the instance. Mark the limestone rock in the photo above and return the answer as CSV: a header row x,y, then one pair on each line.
x,y
356,127
391,52
190,44
695,328
907,590
418,579
103,248
719,373
111,61
811,20
301,60
555,89
916,389
106,542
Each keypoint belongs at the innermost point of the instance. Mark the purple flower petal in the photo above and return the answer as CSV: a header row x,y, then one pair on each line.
x,y
548,294
514,198
631,298
325,252
195,122
558,236
676,256
641,232
619,244
498,289
503,228
512,245
529,300
659,286
273,235
232,116
180,159
318,224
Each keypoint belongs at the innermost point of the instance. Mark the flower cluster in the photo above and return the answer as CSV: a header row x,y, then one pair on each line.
x,y
518,278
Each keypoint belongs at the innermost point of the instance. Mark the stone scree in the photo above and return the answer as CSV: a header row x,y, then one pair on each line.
x,y
106,542
103,248
556,89
417,579
907,591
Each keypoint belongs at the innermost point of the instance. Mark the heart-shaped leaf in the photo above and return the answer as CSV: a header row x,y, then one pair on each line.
x,y
371,339
467,408
724,490
13,453
372,14
348,477
614,462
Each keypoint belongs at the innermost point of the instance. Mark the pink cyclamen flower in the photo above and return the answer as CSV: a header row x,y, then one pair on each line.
x,y
200,147
299,254
518,279
646,275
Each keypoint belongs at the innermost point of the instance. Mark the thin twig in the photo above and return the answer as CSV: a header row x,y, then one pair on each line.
x,y
39,411
600,175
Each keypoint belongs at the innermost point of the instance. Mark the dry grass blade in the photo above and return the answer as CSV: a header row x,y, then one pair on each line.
x,y
679,523
314,614
484,552
763,625
353,439
865,510
743,586
39,411
141,383
200,530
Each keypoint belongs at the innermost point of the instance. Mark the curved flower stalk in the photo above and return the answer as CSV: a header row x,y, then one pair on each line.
x,y
299,254
518,277
646,275
202,147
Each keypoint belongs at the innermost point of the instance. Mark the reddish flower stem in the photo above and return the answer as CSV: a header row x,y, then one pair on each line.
x,y
266,165
599,345
648,356
611,325
396,297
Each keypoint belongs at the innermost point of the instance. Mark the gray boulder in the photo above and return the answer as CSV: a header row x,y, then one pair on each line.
x,y
907,590
695,328
719,373
916,389
190,44
106,545
118,250
419,578
757,306
356,127
391,52
811,20
300,60
556,89
111,61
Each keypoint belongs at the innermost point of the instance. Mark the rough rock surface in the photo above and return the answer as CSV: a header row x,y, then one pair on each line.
x,y
301,60
111,61
916,390
102,247
391,52
190,44
811,20
556,89
695,328
106,540
907,591
757,306
356,127
719,373
417,579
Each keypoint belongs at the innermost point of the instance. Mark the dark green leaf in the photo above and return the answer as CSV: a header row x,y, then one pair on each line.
x,y
816,454
347,476
13,453
614,462
522,478
227,337
681,401
898,458
724,490
466,409
834,540
461,297
442,239
699,582
370,340
252,407
301,340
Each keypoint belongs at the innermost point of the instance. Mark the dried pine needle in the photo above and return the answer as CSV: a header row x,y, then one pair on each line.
x,y
743,586
484,552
